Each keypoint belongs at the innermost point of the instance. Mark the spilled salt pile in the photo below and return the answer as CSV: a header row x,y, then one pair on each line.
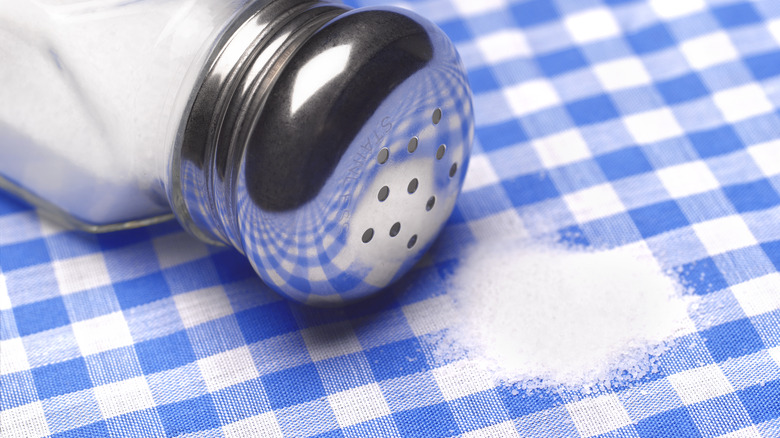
x,y
541,316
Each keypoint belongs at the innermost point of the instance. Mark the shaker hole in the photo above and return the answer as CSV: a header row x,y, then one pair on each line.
x,y
413,144
368,235
436,116
413,184
384,192
395,229
430,204
453,169
440,152
383,155
412,242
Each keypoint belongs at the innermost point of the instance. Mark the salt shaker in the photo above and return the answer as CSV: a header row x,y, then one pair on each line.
x,y
327,144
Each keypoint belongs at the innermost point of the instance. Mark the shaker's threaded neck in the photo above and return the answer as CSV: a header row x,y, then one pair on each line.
x,y
234,86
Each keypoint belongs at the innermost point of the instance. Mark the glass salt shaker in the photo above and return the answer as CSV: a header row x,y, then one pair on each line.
x,y
327,144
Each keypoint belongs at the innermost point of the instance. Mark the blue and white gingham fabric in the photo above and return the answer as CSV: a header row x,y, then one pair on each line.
x,y
614,121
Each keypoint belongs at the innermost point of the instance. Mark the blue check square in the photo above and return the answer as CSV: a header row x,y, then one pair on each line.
x,y
456,30
397,359
496,137
426,422
739,14
24,254
266,321
165,353
703,276
232,266
762,401
592,110
623,163
201,415
732,339
520,403
651,39
528,189
676,422
293,386
96,429
61,378
772,250
137,423
484,80
682,88
142,290
40,316
764,65
534,12
717,141
752,196
562,61
658,218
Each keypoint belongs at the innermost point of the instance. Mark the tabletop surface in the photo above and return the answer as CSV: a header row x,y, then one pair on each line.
x,y
618,121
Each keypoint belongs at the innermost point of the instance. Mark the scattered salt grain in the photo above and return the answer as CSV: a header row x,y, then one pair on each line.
x,y
548,316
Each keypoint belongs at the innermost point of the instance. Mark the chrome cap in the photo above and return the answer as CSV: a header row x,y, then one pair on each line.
x,y
353,155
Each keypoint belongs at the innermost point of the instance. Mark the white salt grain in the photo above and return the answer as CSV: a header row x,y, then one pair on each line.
x,y
540,315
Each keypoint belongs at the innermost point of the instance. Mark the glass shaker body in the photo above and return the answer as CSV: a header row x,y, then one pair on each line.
x,y
92,93
327,144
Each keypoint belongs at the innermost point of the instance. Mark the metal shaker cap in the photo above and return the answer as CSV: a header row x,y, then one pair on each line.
x,y
349,158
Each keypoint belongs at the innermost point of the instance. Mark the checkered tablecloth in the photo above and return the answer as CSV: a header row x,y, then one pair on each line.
x,y
618,121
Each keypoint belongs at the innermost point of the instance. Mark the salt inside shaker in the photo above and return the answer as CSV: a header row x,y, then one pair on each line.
x,y
327,144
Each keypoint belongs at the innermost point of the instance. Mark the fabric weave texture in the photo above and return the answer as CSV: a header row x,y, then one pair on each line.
x,y
613,121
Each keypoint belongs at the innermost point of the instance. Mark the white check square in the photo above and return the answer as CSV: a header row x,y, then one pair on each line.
x,y
531,96
176,249
774,29
431,315
562,148
759,295
202,305
676,8
462,378
81,273
724,234
124,396
622,73
480,174
591,25
503,45
653,126
227,368
331,340
506,429
595,416
742,103
747,432
103,333
766,155
708,50
699,384
13,357
594,203
775,353
27,421
264,425
5,299
359,404
470,7
687,179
